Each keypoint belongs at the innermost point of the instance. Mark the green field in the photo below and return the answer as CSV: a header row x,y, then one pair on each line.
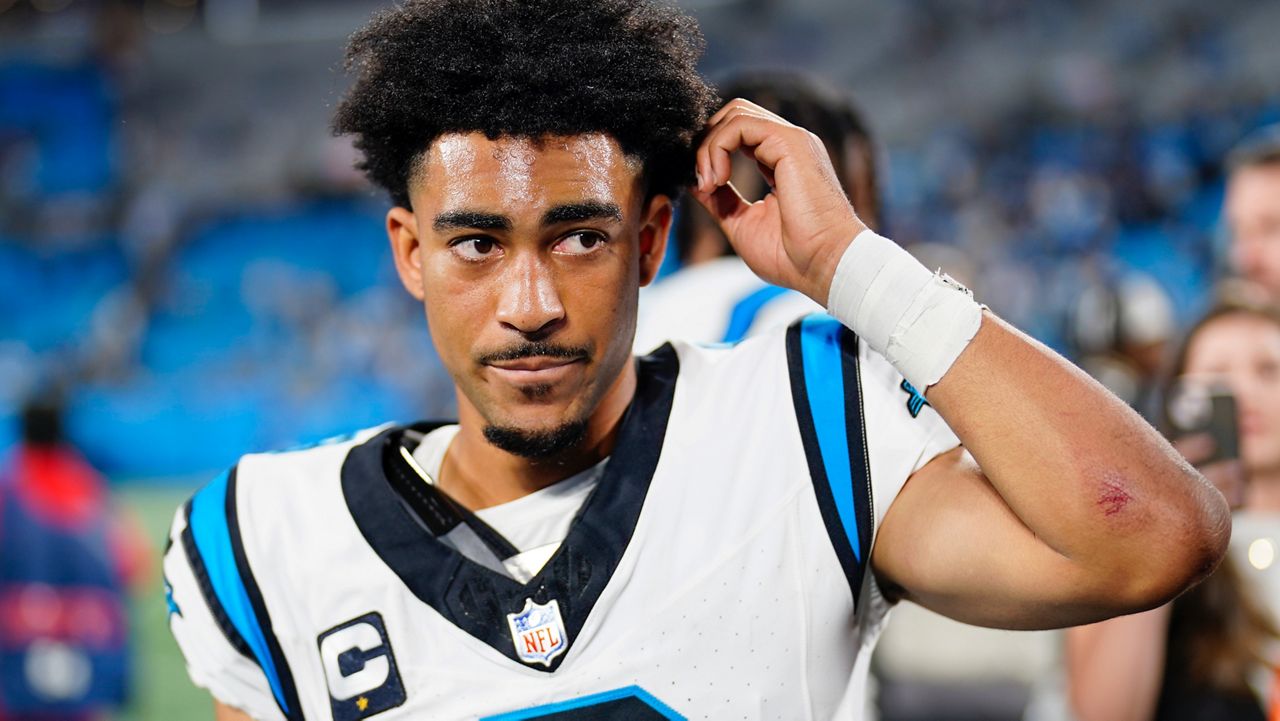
x,y
162,691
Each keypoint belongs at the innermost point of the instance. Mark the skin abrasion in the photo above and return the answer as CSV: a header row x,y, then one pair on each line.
x,y
1113,498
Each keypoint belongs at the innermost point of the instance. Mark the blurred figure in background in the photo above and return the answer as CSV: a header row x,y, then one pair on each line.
x,y
1212,653
1252,209
64,565
1121,330
714,297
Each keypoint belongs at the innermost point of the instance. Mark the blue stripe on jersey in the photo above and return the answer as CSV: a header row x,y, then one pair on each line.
x,y
824,382
745,311
598,699
209,527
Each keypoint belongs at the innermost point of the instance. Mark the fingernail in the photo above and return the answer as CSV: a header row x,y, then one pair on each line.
x,y
698,176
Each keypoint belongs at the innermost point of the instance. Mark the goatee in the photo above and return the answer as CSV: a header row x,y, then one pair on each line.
x,y
537,444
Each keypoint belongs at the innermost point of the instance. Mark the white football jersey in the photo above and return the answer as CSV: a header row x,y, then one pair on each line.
x,y
718,570
719,301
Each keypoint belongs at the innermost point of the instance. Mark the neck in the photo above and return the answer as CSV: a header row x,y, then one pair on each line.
x,y
478,474
1263,492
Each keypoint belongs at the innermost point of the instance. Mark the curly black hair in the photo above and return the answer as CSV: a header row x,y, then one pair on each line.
x,y
529,69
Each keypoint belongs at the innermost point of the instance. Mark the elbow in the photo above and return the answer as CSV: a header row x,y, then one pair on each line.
x,y
1185,538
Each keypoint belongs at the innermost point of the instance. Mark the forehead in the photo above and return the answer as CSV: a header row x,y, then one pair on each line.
x,y
507,174
1233,337
1255,183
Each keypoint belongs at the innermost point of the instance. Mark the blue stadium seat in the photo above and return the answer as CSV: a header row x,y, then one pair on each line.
x,y
69,112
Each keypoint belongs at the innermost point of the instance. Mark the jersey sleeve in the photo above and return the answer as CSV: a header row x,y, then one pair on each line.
x,y
865,430
210,621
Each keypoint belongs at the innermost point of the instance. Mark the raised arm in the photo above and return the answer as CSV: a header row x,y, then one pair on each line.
x,y
1076,509
1070,509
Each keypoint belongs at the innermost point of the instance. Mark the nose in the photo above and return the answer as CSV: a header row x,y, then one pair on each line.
x,y
530,301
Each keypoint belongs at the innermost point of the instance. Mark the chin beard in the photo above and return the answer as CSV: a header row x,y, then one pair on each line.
x,y
537,444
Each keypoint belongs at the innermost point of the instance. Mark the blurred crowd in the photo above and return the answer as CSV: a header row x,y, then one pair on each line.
x,y
160,246
186,254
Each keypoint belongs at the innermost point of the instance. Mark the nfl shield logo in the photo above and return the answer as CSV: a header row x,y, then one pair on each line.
x,y
538,632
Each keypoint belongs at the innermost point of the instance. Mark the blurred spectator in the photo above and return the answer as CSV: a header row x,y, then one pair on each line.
x,y
1211,653
1120,331
1253,208
715,297
64,637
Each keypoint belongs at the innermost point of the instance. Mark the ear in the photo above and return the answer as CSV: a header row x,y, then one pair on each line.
x,y
653,237
402,231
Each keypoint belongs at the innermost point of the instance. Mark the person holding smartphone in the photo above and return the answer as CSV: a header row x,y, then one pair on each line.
x,y
1212,653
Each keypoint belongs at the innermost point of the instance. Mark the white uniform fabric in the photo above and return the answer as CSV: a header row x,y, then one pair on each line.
x,y
718,301
718,570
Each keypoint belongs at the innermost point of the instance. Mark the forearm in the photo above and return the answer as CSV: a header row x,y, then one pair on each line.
x,y
1115,668
1079,468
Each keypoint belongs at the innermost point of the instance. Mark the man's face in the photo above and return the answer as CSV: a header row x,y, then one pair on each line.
x,y
1253,216
528,257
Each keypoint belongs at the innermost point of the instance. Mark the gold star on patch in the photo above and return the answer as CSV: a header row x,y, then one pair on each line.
x,y
362,703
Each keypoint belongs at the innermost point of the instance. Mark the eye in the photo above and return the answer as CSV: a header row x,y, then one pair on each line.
x,y
1267,370
580,242
474,249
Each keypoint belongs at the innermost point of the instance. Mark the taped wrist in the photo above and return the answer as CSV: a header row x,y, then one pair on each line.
x,y
919,321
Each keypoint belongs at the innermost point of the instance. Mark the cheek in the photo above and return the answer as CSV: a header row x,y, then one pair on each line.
x,y
1266,401
610,294
455,310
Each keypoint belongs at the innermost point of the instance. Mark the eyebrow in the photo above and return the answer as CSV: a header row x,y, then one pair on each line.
x,y
565,213
586,210
479,220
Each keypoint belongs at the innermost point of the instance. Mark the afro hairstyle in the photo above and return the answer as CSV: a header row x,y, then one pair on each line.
x,y
528,69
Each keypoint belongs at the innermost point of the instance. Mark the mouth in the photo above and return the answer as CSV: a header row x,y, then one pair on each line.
x,y
535,370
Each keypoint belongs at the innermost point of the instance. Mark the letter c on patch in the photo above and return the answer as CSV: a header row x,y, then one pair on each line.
x,y
363,642
360,668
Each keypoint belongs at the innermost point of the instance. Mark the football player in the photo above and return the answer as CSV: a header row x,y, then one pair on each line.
x,y
692,534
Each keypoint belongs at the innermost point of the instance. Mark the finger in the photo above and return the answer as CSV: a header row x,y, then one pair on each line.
x,y
704,166
765,137
765,170
741,104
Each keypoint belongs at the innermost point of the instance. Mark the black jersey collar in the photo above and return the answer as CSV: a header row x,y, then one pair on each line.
x,y
477,599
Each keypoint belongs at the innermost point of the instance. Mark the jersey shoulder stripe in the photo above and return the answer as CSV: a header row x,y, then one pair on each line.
x,y
826,389
747,309
216,552
206,584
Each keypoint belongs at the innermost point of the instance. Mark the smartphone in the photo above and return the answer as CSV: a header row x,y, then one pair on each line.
x,y
1196,408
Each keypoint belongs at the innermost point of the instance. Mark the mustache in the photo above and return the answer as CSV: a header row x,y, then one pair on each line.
x,y
535,349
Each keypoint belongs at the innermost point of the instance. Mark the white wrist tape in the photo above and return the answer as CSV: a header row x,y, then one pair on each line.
x,y
919,321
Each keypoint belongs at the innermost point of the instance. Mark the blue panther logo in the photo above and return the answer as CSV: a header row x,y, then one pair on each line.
x,y
915,399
